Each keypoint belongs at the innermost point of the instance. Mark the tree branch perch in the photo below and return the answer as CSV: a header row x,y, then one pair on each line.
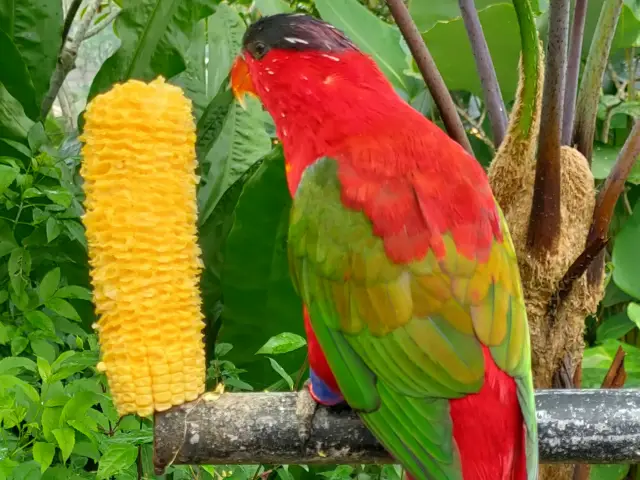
x,y
587,426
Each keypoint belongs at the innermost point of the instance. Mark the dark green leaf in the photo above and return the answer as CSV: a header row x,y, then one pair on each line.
x,y
40,321
19,268
53,229
77,407
66,439
117,458
59,196
212,121
14,124
15,76
49,284
282,343
256,283
35,27
608,472
242,142
192,79
63,308
75,232
43,454
633,311
42,348
226,29
604,158
155,35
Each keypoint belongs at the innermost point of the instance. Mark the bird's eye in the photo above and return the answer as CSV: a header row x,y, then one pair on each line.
x,y
259,50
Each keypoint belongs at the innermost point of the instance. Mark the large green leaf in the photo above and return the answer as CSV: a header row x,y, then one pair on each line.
x,y
597,360
14,124
242,142
15,76
627,30
451,50
259,299
226,29
373,36
155,36
272,7
626,261
35,27
604,158
192,79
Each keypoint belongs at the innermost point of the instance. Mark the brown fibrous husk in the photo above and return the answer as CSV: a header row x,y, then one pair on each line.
x,y
558,339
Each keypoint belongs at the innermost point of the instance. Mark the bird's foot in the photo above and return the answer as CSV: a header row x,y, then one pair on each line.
x,y
306,407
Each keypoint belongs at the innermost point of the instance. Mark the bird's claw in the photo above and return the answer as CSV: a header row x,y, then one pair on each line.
x,y
306,408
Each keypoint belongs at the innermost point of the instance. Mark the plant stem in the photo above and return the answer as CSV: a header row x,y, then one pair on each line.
x,y
67,57
608,197
486,71
589,94
544,223
530,64
96,29
573,69
430,73
68,20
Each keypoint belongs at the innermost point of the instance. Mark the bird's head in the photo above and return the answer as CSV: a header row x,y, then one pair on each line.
x,y
299,65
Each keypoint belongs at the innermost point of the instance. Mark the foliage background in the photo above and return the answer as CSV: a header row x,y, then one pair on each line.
x,y
56,417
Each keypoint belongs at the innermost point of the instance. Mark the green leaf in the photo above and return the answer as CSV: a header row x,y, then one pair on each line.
x,y
625,258
53,229
604,158
155,36
19,268
15,76
281,371
451,50
35,27
14,365
77,407
59,196
272,7
49,284
427,14
282,343
66,438
226,29
43,454
614,327
633,311
40,321
75,232
42,348
359,24
18,344
256,283
63,308
44,369
14,124
7,175
74,291
11,381
242,142
117,458
212,122
608,472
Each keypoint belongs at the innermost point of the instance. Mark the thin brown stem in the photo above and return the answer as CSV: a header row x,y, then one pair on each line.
x,y
486,71
68,20
573,69
544,223
430,73
608,197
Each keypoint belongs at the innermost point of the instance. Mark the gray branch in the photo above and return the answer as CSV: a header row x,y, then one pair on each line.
x,y
575,426
67,57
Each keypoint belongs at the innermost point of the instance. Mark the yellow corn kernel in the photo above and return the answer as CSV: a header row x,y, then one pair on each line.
x,y
140,185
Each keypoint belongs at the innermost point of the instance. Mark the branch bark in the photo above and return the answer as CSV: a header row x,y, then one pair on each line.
x,y
486,71
589,426
67,57
96,29
544,223
430,73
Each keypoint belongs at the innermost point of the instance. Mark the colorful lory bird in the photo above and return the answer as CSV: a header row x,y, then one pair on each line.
x,y
413,303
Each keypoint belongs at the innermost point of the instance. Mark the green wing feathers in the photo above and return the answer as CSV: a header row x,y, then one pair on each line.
x,y
402,340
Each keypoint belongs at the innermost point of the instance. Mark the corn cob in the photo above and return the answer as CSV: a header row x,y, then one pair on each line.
x,y
140,186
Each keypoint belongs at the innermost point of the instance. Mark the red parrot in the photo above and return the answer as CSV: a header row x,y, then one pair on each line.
x,y
414,309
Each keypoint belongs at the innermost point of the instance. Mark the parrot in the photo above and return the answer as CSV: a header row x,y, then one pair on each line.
x,y
413,306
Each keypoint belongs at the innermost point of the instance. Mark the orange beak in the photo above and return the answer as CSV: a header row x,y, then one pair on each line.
x,y
241,83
